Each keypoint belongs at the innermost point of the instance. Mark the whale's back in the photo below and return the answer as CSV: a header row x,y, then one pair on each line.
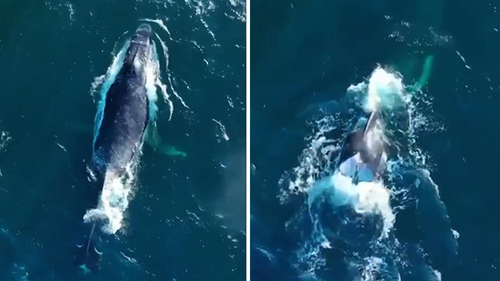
x,y
124,122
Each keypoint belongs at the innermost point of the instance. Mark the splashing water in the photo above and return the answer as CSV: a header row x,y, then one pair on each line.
x,y
152,77
158,83
105,82
163,87
373,251
384,90
114,200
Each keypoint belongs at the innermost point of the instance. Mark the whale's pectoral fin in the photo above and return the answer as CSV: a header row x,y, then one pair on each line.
x,y
155,141
426,74
171,150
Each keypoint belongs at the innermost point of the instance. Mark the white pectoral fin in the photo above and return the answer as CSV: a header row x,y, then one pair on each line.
x,y
155,141
374,117
425,76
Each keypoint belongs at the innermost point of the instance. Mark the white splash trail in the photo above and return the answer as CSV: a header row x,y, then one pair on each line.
x,y
162,86
160,23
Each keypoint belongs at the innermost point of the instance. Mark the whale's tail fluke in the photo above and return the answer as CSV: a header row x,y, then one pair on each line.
x,y
87,255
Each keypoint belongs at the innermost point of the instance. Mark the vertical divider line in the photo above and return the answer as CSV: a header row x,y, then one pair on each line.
x,y
247,217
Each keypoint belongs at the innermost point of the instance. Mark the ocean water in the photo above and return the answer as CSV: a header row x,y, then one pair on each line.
x,y
311,67
186,220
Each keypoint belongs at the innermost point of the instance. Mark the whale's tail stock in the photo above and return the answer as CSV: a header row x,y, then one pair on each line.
x,y
87,255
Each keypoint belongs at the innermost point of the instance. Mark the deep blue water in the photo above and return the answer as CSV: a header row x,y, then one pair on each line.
x,y
187,218
304,55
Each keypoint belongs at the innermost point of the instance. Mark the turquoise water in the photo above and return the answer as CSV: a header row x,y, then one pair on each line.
x,y
187,218
304,57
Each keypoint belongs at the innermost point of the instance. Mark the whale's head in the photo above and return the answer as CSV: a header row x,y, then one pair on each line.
x,y
140,50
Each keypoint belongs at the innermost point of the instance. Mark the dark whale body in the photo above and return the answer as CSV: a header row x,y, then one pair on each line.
x,y
120,135
357,142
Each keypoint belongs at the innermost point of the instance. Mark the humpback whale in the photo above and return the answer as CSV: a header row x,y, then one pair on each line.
x,y
357,177
364,153
120,133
